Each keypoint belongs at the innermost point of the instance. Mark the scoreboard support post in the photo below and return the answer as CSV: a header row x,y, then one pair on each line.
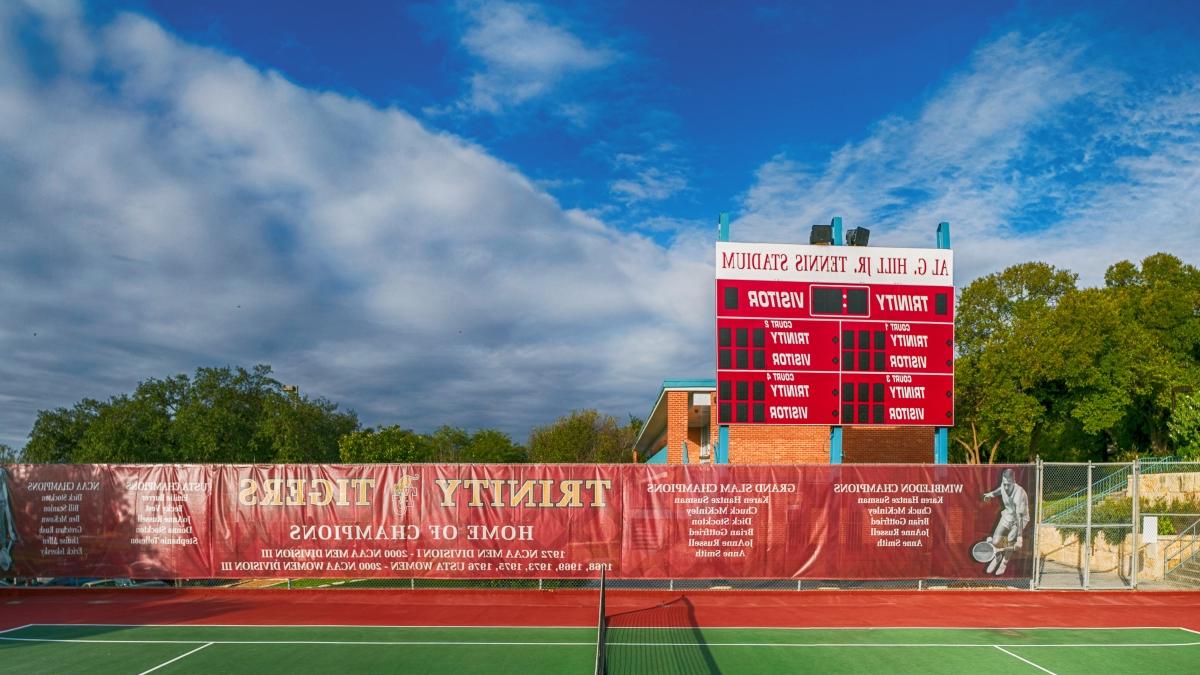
x,y
941,435
835,432
721,456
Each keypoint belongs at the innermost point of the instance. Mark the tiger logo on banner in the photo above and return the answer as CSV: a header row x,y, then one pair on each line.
x,y
404,492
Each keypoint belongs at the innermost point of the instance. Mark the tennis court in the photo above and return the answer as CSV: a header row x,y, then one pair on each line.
x,y
104,649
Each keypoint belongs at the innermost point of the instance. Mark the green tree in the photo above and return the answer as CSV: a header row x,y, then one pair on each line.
x,y
449,444
56,434
8,455
387,445
219,415
1184,427
1161,301
584,436
1075,374
296,429
1000,325
218,418
489,446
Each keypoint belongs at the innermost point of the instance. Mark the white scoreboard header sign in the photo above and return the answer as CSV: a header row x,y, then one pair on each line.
x,y
835,264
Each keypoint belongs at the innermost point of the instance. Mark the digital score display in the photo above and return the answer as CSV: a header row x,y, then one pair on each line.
x,y
834,335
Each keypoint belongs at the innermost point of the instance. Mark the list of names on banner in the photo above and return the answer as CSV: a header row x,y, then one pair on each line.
x,y
721,520
898,515
60,529
162,514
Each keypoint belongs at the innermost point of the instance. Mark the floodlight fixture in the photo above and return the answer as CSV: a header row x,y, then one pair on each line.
x,y
858,236
821,235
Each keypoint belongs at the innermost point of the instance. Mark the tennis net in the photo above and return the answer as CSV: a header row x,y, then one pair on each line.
x,y
663,638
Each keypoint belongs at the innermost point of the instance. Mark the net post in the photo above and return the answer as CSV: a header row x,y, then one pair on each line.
x,y
601,626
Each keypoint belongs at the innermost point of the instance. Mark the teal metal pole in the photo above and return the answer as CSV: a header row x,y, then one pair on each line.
x,y
835,432
722,454
941,435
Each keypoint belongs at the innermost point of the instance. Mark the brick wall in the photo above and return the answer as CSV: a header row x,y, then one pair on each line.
x,y
862,445
677,420
765,444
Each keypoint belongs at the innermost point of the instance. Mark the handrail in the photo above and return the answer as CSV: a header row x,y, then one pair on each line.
x,y
1183,554
1110,484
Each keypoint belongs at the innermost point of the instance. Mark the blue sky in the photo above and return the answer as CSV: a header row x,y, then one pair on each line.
x,y
490,213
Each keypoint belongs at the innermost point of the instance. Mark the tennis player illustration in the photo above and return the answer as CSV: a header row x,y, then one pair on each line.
x,y
8,524
1014,517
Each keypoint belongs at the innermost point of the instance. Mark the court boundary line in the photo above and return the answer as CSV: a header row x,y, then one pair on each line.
x,y
483,643
372,643
565,643
1021,658
167,663
524,627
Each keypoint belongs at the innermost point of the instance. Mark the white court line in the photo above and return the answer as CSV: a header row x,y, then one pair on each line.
x,y
299,625
9,630
708,628
305,642
793,645
165,663
1024,659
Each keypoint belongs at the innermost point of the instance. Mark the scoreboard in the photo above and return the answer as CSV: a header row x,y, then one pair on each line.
x,y
834,335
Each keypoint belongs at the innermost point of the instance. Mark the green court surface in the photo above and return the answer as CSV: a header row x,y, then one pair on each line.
x,y
103,649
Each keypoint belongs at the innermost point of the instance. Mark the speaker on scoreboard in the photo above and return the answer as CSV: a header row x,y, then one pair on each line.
x,y
858,236
821,234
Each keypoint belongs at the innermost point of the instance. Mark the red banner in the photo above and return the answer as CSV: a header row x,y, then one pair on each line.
x,y
501,521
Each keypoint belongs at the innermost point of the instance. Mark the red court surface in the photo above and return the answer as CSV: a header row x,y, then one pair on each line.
x,y
718,608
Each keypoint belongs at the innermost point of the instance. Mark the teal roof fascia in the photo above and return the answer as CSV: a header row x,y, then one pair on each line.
x,y
690,384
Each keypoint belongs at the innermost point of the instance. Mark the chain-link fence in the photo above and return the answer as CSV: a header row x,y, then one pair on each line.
x,y
1118,525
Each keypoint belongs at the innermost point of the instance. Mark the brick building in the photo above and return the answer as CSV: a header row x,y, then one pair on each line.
x,y
682,428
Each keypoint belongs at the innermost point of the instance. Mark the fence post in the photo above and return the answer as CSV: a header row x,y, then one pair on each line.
x,y
1036,577
1135,476
1087,539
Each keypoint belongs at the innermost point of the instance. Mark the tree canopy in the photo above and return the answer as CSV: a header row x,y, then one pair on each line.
x,y
217,415
584,436
1048,369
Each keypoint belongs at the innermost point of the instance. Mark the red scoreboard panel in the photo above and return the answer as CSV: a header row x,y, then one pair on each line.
x,y
802,339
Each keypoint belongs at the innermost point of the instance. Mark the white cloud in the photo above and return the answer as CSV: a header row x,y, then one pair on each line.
x,y
1033,152
188,209
650,184
522,57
